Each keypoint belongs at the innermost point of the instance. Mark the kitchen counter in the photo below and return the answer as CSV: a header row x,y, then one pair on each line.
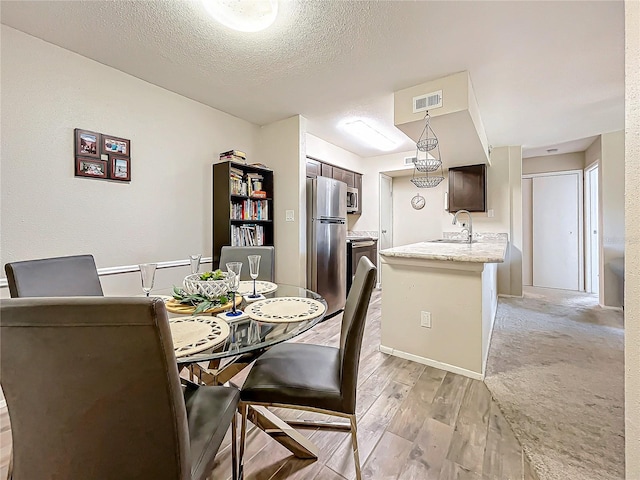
x,y
479,252
439,302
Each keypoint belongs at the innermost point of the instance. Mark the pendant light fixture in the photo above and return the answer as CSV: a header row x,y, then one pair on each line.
x,y
428,142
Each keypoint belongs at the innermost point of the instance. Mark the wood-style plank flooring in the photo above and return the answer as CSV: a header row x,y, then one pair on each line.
x,y
414,422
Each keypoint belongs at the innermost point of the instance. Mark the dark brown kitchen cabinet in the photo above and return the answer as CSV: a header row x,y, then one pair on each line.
x,y
358,185
327,170
467,188
338,174
314,168
349,178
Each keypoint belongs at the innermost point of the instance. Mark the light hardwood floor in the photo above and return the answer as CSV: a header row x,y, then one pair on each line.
x,y
414,422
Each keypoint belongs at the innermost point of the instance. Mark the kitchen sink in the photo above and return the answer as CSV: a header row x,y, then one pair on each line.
x,y
450,240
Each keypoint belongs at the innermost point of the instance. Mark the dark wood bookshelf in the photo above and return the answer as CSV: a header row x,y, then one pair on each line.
x,y
224,196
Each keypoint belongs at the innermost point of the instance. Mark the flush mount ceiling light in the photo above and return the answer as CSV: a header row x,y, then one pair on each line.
x,y
369,135
243,15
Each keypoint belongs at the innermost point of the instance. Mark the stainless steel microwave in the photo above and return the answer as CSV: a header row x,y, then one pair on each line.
x,y
352,200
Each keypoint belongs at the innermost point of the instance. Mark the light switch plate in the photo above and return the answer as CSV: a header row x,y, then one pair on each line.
x,y
490,213
289,215
425,319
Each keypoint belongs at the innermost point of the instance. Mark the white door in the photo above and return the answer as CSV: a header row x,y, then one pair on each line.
x,y
557,231
593,263
385,238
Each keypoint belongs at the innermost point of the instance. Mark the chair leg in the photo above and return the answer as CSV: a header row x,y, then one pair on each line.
x,y
234,453
244,411
354,443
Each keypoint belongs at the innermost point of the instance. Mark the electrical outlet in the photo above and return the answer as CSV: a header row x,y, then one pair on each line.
x,y
425,319
288,216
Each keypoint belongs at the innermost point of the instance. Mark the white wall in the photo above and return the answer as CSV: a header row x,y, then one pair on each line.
x,y
163,214
632,241
281,146
553,163
612,195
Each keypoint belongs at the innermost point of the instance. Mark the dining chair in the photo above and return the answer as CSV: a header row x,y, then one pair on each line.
x,y
240,254
316,378
54,277
93,392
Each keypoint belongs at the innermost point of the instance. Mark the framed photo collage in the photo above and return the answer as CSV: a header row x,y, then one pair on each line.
x,y
102,156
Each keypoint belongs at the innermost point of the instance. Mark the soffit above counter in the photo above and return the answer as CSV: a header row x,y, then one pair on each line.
x,y
457,123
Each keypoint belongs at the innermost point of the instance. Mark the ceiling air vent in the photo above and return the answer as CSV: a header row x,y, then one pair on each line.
x,y
427,102
409,160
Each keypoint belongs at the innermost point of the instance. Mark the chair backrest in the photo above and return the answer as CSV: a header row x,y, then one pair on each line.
x,y
74,276
240,254
353,321
92,389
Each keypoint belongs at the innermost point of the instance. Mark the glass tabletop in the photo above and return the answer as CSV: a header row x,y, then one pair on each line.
x,y
248,335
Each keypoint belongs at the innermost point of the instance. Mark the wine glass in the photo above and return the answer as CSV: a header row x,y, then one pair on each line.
x,y
233,270
194,260
147,273
254,271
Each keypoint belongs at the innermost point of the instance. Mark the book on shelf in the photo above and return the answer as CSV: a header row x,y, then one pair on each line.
x,y
249,210
260,194
247,235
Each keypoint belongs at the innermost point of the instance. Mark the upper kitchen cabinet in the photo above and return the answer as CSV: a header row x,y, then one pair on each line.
x,y
358,186
327,170
467,188
314,168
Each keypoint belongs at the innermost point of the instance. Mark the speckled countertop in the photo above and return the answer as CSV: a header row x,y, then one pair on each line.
x,y
487,249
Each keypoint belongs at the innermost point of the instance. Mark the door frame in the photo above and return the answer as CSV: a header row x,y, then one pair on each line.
x,y
589,227
384,176
581,242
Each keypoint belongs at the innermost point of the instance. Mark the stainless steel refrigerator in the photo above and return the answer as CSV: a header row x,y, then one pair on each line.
x,y
327,240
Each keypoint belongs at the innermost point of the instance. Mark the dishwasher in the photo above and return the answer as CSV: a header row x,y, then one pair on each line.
x,y
358,247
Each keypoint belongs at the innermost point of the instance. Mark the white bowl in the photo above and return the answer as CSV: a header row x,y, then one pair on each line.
x,y
207,288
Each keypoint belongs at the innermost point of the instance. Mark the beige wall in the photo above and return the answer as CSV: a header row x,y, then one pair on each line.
x,y
612,201
282,148
632,240
328,152
553,163
608,151
411,226
164,214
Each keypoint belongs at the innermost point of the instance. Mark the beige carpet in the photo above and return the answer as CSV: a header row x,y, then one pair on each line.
x,y
556,368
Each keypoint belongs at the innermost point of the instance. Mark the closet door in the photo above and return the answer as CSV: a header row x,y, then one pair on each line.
x,y
557,231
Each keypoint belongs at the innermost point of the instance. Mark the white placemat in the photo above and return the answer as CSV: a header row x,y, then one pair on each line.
x,y
285,309
194,334
262,287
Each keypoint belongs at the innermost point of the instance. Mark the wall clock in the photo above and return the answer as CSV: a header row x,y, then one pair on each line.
x,y
418,202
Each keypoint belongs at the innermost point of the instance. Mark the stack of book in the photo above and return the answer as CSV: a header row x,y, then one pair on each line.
x,y
238,185
234,156
250,210
254,181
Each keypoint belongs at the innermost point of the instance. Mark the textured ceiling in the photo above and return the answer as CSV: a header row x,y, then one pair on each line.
x,y
544,73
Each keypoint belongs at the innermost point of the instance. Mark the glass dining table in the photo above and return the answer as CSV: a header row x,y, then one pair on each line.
x,y
246,340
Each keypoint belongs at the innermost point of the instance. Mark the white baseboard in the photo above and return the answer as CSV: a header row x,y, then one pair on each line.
x,y
432,363
506,295
131,268
607,307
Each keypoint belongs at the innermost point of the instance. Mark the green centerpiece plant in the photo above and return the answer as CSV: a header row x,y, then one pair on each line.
x,y
195,292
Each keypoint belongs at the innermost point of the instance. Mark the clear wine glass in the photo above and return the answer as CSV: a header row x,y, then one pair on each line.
x,y
254,271
147,273
233,271
194,260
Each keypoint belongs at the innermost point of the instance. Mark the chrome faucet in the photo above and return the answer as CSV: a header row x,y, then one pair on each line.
x,y
470,229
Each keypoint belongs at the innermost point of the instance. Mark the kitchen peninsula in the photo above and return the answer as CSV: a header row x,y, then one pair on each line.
x,y
439,302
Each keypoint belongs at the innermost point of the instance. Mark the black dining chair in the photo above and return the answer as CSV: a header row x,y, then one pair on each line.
x,y
316,378
93,392
54,277
240,254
